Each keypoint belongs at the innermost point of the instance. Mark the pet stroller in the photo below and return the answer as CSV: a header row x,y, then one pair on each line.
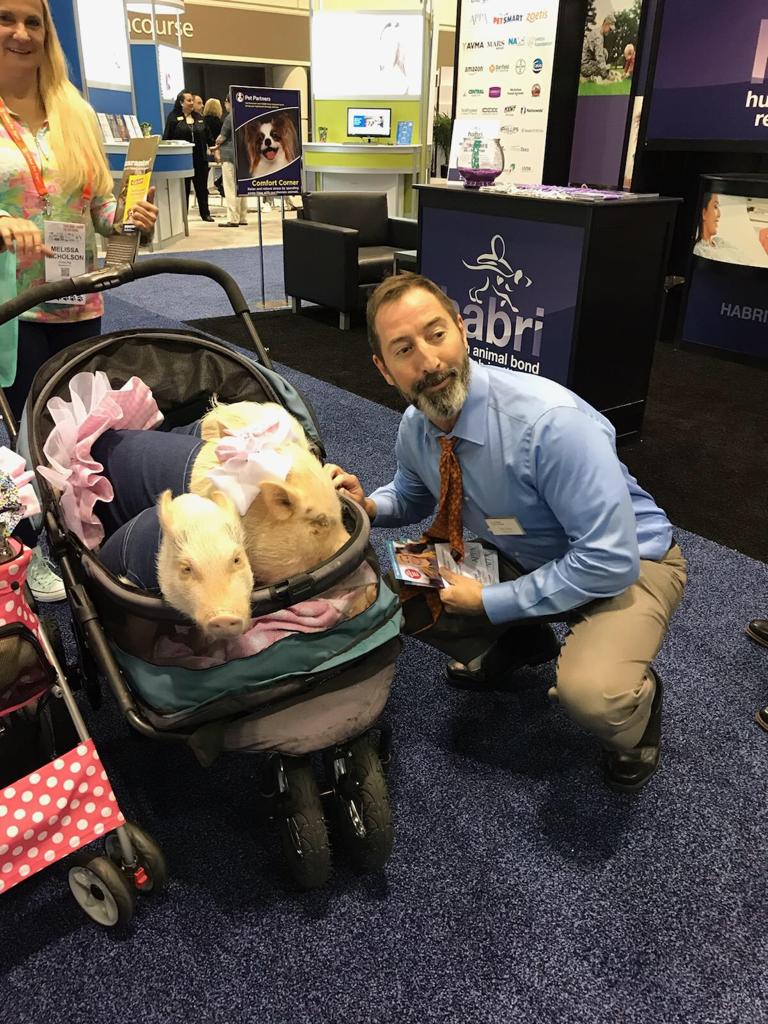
x,y
63,800
307,699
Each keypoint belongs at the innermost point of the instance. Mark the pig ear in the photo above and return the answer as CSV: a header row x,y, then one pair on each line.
x,y
224,501
164,511
280,500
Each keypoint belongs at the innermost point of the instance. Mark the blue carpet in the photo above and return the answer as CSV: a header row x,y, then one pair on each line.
x,y
186,298
520,889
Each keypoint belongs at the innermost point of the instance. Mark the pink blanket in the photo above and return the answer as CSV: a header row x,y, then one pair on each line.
x,y
95,407
315,616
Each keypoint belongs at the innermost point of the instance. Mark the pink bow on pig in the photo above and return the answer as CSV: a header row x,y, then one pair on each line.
x,y
256,453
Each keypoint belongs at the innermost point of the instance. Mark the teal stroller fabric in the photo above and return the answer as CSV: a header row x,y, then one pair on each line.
x,y
9,332
172,689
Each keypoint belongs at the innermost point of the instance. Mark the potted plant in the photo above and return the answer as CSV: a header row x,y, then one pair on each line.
x,y
442,129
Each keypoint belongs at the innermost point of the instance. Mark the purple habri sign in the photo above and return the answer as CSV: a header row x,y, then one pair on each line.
x,y
711,81
727,307
515,282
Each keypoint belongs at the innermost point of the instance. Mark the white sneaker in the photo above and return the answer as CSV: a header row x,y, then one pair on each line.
x,y
45,584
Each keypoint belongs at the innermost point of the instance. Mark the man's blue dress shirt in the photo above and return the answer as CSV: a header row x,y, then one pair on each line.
x,y
531,449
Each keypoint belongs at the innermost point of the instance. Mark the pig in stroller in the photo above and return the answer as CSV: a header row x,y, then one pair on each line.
x,y
305,694
55,797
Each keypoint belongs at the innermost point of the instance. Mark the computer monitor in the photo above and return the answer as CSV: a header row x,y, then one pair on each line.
x,y
369,121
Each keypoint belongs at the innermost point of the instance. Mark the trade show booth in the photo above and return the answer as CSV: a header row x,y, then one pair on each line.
x,y
173,163
371,110
128,83
564,285
726,302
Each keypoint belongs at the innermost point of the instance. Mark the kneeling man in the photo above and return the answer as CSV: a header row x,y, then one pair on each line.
x,y
531,469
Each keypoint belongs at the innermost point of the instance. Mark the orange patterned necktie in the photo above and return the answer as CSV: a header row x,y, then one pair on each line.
x,y
447,524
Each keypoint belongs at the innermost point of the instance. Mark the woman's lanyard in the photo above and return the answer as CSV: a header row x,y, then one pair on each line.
x,y
36,173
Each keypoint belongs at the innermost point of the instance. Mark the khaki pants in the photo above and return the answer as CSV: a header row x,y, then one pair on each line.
x,y
603,680
237,206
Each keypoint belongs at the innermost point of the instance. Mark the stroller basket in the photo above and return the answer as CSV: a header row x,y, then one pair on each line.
x,y
183,371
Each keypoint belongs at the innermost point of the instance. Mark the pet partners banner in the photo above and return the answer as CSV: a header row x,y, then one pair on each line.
x,y
266,129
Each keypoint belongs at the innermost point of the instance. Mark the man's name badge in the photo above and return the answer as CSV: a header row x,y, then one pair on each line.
x,y
507,526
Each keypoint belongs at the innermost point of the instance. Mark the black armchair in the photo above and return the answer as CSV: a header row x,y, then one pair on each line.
x,y
342,244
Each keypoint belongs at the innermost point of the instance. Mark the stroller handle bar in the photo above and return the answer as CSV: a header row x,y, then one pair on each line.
x,y
113,277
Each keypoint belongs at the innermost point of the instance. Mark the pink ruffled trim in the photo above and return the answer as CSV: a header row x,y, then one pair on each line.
x,y
94,408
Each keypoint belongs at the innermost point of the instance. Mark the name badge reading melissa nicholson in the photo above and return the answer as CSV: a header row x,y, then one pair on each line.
x,y
67,242
505,526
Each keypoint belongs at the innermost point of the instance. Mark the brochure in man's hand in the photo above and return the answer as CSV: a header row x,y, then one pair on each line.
x,y
419,563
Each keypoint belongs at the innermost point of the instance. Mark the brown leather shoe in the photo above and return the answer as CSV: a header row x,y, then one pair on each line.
x,y
532,644
757,630
629,770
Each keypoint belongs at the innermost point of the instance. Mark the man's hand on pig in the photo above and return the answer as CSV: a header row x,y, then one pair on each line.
x,y
462,596
348,485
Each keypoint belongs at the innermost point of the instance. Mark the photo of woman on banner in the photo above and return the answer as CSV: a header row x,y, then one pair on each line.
x,y
729,231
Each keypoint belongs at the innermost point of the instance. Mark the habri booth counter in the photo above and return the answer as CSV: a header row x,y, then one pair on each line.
x,y
726,304
564,283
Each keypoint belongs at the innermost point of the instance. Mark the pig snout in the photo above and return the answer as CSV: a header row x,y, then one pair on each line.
x,y
225,626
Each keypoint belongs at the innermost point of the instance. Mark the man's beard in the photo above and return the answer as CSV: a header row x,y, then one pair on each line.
x,y
448,402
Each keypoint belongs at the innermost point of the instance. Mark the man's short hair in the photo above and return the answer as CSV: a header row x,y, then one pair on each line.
x,y
393,288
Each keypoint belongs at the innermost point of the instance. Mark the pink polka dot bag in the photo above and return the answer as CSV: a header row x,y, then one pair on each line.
x,y
67,803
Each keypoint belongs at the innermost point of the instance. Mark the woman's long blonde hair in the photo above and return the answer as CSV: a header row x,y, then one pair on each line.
x,y
213,106
72,125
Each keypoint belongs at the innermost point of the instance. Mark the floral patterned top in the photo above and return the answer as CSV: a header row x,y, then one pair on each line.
x,y
19,198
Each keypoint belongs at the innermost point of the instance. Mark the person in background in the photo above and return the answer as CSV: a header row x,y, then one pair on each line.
x,y
197,104
594,56
185,125
629,60
757,630
52,171
707,238
224,148
212,116
530,469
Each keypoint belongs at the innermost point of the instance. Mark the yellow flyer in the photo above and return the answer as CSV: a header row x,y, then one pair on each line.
x,y
136,191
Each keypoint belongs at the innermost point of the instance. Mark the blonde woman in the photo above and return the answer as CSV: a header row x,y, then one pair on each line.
x,y
224,150
52,172
212,117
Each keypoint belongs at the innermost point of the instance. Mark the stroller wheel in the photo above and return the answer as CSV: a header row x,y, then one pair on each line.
x,y
363,811
301,824
102,891
149,857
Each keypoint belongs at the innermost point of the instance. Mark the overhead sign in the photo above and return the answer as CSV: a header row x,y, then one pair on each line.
x,y
504,75
104,44
266,126
711,77
382,54
515,283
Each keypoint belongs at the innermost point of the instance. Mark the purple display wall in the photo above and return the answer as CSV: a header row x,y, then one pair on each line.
x,y
598,140
609,64
711,76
